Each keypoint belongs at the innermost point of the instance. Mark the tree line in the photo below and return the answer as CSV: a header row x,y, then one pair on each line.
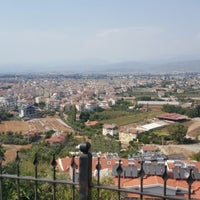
x,y
190,112
4,116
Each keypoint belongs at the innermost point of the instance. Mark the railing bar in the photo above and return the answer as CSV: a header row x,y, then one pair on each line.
x,y
190,180
1,189
119,186
73,165
54,185
141,175
36,175
53,163
98,167
29,178
93,186
1,180
17,160
165,189
73,187
36,188
165,178
119,172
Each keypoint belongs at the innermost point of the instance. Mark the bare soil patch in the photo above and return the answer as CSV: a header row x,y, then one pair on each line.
x,y
39,124
11,151
194,128
44,124
14,126
186,150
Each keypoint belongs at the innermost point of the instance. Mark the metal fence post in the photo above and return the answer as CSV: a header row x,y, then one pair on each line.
x,y
141,175
35,163
1,187
165,178
53,163
74,166
119,172
85,172
98,168
190,180
17,160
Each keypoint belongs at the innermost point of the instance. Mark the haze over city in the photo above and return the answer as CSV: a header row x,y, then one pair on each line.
x,y
84,35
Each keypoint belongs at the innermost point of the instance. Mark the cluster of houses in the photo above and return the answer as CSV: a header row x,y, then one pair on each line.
x,y
153,169
154,163
27,109
129,132
86,94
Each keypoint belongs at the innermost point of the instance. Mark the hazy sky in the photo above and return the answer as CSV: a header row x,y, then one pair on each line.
x,y
44,31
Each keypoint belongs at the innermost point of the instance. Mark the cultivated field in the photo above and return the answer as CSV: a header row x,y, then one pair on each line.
x,y
11,151
14,126
40,124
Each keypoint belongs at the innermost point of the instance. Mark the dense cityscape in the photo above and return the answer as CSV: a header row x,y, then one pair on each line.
x,y
124,116
100,100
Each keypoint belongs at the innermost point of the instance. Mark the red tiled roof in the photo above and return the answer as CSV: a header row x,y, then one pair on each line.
x,y
56,138
148,181
110,126
148,148
64,163
128,130
157,180
91,123
173,116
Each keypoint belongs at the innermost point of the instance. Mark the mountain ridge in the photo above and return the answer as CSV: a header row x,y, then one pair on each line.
x,y
126,66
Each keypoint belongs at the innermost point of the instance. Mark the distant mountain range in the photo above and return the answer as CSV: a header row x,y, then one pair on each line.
x,y
101,67
167,67
140,67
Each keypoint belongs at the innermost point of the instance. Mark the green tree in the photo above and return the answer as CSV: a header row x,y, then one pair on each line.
x,y
2,151
84,116
105,144
122,104
49,133
4,115
105,194
174,109
196,156
41,105
72,114
177,132
197,110
144,98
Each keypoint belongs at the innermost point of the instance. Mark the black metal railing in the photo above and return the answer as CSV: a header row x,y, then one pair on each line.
x,y
85,185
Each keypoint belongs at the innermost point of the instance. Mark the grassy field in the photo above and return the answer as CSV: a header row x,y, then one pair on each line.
x,y
124,118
